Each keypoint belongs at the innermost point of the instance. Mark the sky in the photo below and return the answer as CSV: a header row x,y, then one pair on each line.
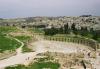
x,y
32,8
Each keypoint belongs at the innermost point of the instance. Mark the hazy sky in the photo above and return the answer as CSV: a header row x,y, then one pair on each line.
x,y
25,8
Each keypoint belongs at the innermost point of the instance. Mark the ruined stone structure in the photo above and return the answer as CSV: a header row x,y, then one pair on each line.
x,y
88,42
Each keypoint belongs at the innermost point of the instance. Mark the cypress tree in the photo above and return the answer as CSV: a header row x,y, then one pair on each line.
x,y
66,29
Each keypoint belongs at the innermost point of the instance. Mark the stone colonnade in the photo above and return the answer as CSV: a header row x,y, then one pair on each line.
x,y
88,42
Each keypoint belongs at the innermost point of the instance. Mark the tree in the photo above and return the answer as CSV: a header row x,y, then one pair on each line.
x,y
84,31
74,29
96,34
51,31
66,29
54,31
92,31
73,26
61,30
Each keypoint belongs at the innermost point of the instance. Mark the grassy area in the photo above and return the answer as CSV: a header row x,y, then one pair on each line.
x,y
7,29
41,65
17,67
37,65
8,44
36,30
24,39
26,49
5,42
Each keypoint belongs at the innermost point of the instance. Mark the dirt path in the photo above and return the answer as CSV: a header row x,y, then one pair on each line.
x,y
19,50
19,58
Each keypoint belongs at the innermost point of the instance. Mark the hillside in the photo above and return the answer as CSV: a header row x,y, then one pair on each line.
x,y
80,21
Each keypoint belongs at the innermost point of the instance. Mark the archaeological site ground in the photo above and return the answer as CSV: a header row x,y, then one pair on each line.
x,y
50,42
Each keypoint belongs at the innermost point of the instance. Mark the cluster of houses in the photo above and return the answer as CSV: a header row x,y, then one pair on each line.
x,y
57,22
